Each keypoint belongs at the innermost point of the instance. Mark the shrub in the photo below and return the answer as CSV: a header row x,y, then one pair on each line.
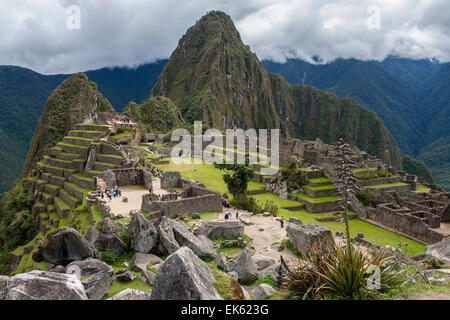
x,y
366,196
225,195
341,273
271,207
119,130
247,203
109,257
270,280
167,137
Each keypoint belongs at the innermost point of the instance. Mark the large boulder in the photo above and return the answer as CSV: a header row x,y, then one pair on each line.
x,y
140,261
44,285
4,287
245,267
131,294
125,275
167,243
219,229
142,234
440,250
262,262
149,277
183,276
261,291
103,241
305,237
98,277
185,237
64,246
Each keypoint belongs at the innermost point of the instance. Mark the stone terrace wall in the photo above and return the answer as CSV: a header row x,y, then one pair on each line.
x,y
405,223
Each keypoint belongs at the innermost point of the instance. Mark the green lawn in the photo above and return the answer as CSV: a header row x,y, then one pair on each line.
x,y
318,199
398,184
324,187
321,179
422,188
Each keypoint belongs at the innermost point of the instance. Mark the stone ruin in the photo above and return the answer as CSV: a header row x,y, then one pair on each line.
x,y
417,215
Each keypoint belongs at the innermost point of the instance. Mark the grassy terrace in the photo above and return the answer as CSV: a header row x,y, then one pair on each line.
x,y
82,176
62,204
422,188
319,180
364,169
212,178
318,199
324,187
398,184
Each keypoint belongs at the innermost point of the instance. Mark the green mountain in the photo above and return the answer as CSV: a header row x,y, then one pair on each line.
x,y
214,77
155,114
68,105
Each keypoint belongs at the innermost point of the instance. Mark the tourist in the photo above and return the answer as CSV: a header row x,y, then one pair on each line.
x,y
120,147
103,195
237,214
119,191
226,216
150,189
282,222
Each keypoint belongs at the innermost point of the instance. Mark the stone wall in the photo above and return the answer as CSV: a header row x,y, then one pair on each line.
x,y
171,179
403,221
201,201
132,176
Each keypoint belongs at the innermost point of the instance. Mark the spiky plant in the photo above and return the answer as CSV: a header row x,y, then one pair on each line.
x,y
345,180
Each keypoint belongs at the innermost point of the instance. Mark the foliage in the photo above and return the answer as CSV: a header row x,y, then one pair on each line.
x,y
236,177
366,196
345,180
293,177
109,256
247,203
270,280
271,207
340,273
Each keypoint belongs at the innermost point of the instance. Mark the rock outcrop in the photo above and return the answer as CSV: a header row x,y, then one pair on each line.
x,y
245,267
217,229
131,294
43,285
440,250
64,246
183,276
102,241
140,261
98,277
305,237
261,291
142,234
4,287
185,237
167,243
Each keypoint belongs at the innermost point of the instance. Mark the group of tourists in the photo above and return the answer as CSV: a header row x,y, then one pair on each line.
x,y
229,215
226,203
110,193
123,119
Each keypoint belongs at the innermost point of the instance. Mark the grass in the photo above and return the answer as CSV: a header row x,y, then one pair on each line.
x,y
318,180
371,232
422,188
364,169
61,204
230,251
377,186
324,187
97,213
225,285
318,199
82,176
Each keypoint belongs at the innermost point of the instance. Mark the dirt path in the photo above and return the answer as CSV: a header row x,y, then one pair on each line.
x,y
429,296
263,240
134,195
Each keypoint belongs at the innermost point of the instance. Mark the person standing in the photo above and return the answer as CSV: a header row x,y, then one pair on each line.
x,y
226,216
237,214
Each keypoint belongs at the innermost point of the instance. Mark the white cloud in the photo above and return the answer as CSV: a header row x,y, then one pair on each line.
x,y
33,34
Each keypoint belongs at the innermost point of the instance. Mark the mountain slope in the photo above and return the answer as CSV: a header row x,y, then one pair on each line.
x,y
68,105
214,77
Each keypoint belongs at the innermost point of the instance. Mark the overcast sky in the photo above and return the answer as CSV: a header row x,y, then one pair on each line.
x,y
35,33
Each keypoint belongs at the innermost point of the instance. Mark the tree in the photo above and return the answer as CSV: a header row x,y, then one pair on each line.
x,y
345,181
236,177
293,177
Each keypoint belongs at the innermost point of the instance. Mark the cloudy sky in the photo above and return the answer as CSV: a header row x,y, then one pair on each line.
x,y
49,36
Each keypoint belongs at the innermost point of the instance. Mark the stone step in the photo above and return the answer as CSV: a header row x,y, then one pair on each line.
x,y
294,208
62,208
55,150
82,151
45,176
57,180
94,173
85,142
75,190
47,198
83,181
71,200
317,182
316,192
67,156
108,158
103,166
66,164
52,189
92,127
105,147
91,134
58,171
378,181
